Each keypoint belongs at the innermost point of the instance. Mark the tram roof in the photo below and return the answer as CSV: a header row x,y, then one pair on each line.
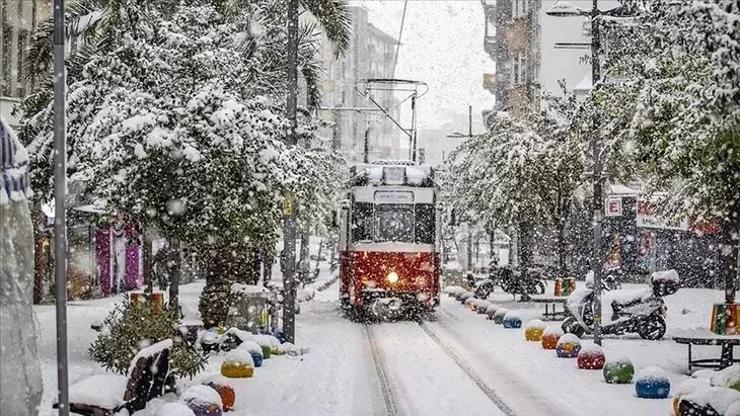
x,y
392,173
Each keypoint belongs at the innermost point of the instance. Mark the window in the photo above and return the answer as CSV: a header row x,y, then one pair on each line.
x,y
394,222
6,58
362,222
519,75
22,40
520,8
425,223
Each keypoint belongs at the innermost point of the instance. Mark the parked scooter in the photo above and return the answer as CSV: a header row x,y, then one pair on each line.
x,y
641,312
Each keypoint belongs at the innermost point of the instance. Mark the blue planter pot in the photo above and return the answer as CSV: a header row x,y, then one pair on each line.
x,y
257,358
653,388
512,323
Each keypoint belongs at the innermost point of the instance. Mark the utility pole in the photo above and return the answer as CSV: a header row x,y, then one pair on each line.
x,y
567,10
60,220
596,260
289,224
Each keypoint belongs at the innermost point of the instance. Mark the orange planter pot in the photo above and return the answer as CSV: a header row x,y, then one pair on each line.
x,y
550,341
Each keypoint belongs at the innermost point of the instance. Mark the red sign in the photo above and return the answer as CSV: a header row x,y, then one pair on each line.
x,y
613,207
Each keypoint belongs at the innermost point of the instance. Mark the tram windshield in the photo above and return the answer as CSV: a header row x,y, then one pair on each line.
x,y
394,222
407,223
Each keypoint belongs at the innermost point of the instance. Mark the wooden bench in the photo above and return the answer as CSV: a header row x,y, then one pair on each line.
x,y
551,306
706,337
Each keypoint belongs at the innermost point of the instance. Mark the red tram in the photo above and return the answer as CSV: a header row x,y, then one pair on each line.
x,y
389,240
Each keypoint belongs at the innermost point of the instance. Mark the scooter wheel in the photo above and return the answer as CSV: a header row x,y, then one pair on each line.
x,y
652,330
571,326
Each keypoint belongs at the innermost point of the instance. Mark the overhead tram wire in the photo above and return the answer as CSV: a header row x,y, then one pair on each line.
x,y
400,33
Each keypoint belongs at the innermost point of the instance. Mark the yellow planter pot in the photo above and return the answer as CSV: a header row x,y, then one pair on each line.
x,y
236,370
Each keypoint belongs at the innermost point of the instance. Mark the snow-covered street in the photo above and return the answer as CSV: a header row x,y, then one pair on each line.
x,y
456,362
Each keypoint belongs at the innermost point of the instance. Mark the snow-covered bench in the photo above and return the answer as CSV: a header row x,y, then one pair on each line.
x,y
707,337
107,394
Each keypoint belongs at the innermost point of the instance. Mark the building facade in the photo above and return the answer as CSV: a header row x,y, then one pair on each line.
x,y
353,117
18,21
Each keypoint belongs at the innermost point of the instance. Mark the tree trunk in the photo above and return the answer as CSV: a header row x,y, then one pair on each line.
x,y
525,245
175,273
562,272
731,245
303,263
224,266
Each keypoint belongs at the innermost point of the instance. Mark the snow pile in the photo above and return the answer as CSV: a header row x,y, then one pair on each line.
x,y
102,390
691,385
727,377
204,395
577,298
652,373
590,349
553,330
239,356
568,339
251,346
665,276
289,349
175,409
241,334
535,323
733,409
501,313
719,398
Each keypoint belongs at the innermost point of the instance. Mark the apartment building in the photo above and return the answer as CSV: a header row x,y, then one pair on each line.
x,y
371,55
18,21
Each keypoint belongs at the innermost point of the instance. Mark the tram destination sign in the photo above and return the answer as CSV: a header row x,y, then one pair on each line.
x,y
394,197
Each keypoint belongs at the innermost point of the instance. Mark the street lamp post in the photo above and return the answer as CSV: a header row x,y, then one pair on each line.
x,y
289,225
568,9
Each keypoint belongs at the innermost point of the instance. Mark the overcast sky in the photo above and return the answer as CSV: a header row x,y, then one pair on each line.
x,y
442,45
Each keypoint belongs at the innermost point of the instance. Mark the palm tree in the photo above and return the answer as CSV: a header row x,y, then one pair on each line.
x,y
99,25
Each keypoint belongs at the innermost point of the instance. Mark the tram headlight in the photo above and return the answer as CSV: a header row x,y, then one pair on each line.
x,y
392,277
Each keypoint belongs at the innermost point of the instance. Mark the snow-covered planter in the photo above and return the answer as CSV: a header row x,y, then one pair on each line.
x,y
483,306
618,370
550,337
591,357
174,409
254,350
533,330
568,346
270,342
224,389
687,387
491,311
471,303
453,290
463,296
498,317
237,363
203,400
512,319
652,383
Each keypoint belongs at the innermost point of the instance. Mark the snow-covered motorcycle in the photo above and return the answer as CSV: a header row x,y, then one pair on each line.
x,y
641,312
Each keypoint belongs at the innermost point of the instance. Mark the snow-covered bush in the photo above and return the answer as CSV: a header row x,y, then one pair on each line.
x,y
131,327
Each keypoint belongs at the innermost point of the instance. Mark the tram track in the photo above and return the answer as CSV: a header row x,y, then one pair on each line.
x,y
385,388
489,392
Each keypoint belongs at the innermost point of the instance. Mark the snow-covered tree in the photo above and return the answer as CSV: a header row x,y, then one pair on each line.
x,y
521,174
680,76
180,131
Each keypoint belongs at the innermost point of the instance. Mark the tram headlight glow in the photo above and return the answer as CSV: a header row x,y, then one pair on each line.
x,y
392,277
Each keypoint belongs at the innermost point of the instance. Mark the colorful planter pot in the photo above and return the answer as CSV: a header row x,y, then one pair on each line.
x,y
619,371
491,312
238,363
498,318
203,400
550,337
591,357
533,330
254,350
568,346
228,396
652,388
512,320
